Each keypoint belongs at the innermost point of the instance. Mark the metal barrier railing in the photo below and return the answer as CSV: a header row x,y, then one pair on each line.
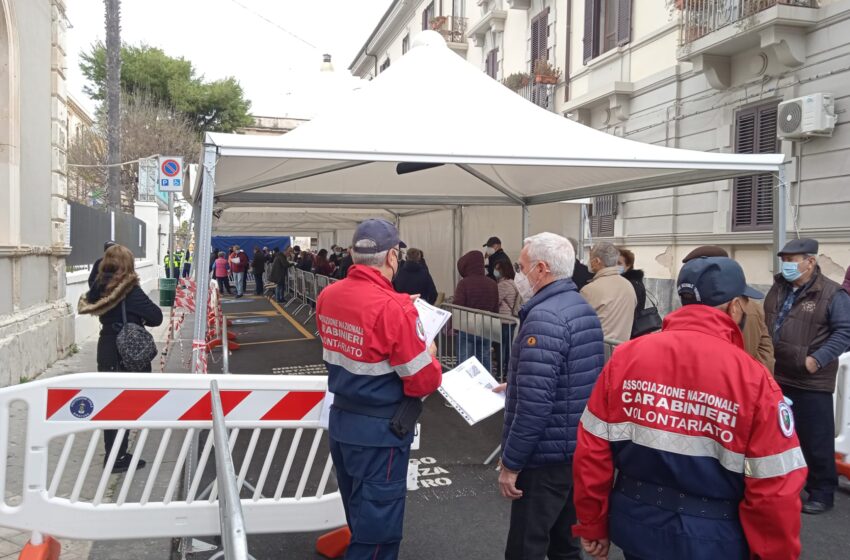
x,y
234,542
310,294
472,332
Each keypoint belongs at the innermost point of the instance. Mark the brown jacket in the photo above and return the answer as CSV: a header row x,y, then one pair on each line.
x,y
757,340
613,298
804,331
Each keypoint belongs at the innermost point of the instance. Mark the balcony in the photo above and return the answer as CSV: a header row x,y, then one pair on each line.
x,y
492,21
715,31
542,95
453,30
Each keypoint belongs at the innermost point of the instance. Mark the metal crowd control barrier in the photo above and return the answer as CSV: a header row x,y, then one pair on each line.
x,y
472,332
842,417
233,539
65,488
291,286
310,294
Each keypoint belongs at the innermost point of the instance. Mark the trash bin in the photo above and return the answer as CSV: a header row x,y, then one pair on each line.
x,y
167,291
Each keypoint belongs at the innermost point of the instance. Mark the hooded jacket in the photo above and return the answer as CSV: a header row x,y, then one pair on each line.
x,y
475,290
139,307
413,278
697,426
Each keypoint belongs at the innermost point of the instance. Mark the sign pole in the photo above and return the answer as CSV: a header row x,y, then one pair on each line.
x,y
171,232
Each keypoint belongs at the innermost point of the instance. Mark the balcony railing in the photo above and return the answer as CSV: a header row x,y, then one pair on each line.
x,y
453,29
542,95
701,17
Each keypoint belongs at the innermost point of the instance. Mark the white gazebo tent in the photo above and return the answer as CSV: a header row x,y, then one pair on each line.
x,y
433,132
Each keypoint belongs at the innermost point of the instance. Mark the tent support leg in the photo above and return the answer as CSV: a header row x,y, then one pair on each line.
x,y
524,224
780,216
581,232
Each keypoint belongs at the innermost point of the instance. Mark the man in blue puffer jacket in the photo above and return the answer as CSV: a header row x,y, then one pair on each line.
x,y
556,358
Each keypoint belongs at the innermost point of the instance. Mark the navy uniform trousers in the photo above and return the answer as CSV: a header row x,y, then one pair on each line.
x,y
373,485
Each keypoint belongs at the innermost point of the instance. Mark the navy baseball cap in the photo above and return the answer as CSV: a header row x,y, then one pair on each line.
x,y
713,281
376,236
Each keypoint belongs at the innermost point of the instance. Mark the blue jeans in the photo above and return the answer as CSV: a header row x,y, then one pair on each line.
x,y
239,280
279,291
469,345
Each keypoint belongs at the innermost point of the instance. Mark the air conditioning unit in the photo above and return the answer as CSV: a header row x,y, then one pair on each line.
x,y
804,117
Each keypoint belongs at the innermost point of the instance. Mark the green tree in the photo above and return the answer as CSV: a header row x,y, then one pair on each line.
x,y
216,106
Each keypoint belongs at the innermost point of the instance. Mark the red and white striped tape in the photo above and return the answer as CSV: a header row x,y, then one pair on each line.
x,y
182,405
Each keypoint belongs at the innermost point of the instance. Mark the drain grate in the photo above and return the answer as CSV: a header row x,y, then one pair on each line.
x,y
312,369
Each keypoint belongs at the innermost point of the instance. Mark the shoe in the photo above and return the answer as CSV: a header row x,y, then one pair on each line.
x,y
813,507
123,464
238,296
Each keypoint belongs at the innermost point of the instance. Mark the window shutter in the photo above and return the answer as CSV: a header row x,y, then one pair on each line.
x,y
590,10
535,42
539,37
624,22
603,214
493,63
755,133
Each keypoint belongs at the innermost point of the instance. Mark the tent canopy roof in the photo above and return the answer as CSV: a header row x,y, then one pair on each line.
x,y
488,146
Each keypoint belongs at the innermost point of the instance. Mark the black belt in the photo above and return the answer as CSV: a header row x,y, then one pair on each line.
x,y
378,411
675,500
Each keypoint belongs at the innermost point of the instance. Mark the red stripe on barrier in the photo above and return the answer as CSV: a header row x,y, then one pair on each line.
x,y
294,406
57,398
129,405
202,410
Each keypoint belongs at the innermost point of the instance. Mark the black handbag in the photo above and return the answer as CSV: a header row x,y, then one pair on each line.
x,y
136,346
647,320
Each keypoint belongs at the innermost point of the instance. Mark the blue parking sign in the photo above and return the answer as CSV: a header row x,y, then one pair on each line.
x,y
163,182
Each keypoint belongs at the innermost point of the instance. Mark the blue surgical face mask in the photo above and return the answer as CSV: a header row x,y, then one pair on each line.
x,y
790,271
497,274
621,270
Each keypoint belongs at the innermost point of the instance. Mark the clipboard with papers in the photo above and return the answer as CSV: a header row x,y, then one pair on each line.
x,y
433,319
469,389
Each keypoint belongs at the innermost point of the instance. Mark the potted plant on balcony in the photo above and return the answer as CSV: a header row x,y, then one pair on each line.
x,y
516,81
438,23
545,73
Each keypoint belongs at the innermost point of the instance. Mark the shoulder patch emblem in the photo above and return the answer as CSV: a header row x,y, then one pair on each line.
x,y
532,341
420,329
786,419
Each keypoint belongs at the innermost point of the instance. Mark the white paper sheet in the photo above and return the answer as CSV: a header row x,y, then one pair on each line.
x,y
325,415
433,319
469,389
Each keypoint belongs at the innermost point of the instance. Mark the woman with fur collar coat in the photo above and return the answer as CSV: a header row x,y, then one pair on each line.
x,y
117,282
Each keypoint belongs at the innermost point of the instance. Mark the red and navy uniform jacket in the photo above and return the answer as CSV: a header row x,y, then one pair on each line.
x,y
687,409
374,347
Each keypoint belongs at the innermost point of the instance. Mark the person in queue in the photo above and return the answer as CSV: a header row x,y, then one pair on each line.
x,y
610,295
556,358
581,274
238,262
757,341
258,268
495,253
114,297
509,304
278,274
808,317
702,441
323,266
373,344
626,267
415,279
95,268
474,291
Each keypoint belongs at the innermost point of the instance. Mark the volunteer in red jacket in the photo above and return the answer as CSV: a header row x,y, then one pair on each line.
x,y
378,369
709,465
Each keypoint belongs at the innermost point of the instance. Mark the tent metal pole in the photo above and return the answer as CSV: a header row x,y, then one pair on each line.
x,y
581,232
203,255
780,216
488,181
455,243
525,218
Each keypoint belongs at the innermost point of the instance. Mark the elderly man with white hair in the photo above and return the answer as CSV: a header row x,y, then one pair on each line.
x,y
556,357
611,295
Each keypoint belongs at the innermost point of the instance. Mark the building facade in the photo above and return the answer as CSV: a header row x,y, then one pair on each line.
x,y
696,74
36,325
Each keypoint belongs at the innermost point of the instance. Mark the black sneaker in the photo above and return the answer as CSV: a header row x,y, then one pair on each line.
x,y
813,507
123,464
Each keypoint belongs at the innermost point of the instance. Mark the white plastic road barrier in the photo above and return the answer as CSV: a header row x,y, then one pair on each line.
x,y
67,491
842,416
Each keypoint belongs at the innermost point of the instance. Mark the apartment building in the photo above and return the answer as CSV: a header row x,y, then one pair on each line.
x,y
696,74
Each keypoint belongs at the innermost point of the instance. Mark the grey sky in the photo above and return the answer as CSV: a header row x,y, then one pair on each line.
x,y
221,38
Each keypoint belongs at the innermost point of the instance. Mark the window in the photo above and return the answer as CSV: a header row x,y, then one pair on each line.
x,y
385,64
539,37
603,213
405,44
752,197
493,63
427,16
607,25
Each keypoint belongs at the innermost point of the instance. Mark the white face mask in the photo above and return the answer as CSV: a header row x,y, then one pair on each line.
x,y
621,270
526,292
490,251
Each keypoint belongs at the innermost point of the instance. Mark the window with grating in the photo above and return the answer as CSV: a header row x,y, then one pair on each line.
x,y
602,216
427,16
752,197
405,44
607,24
539,37
492,63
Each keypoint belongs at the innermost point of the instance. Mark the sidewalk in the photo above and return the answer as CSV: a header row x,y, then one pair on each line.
x,y
84,360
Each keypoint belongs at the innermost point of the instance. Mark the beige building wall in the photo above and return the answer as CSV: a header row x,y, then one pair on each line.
x,y
36,325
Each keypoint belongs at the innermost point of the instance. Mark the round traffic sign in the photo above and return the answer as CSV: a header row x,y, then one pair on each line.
x,y
170,168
